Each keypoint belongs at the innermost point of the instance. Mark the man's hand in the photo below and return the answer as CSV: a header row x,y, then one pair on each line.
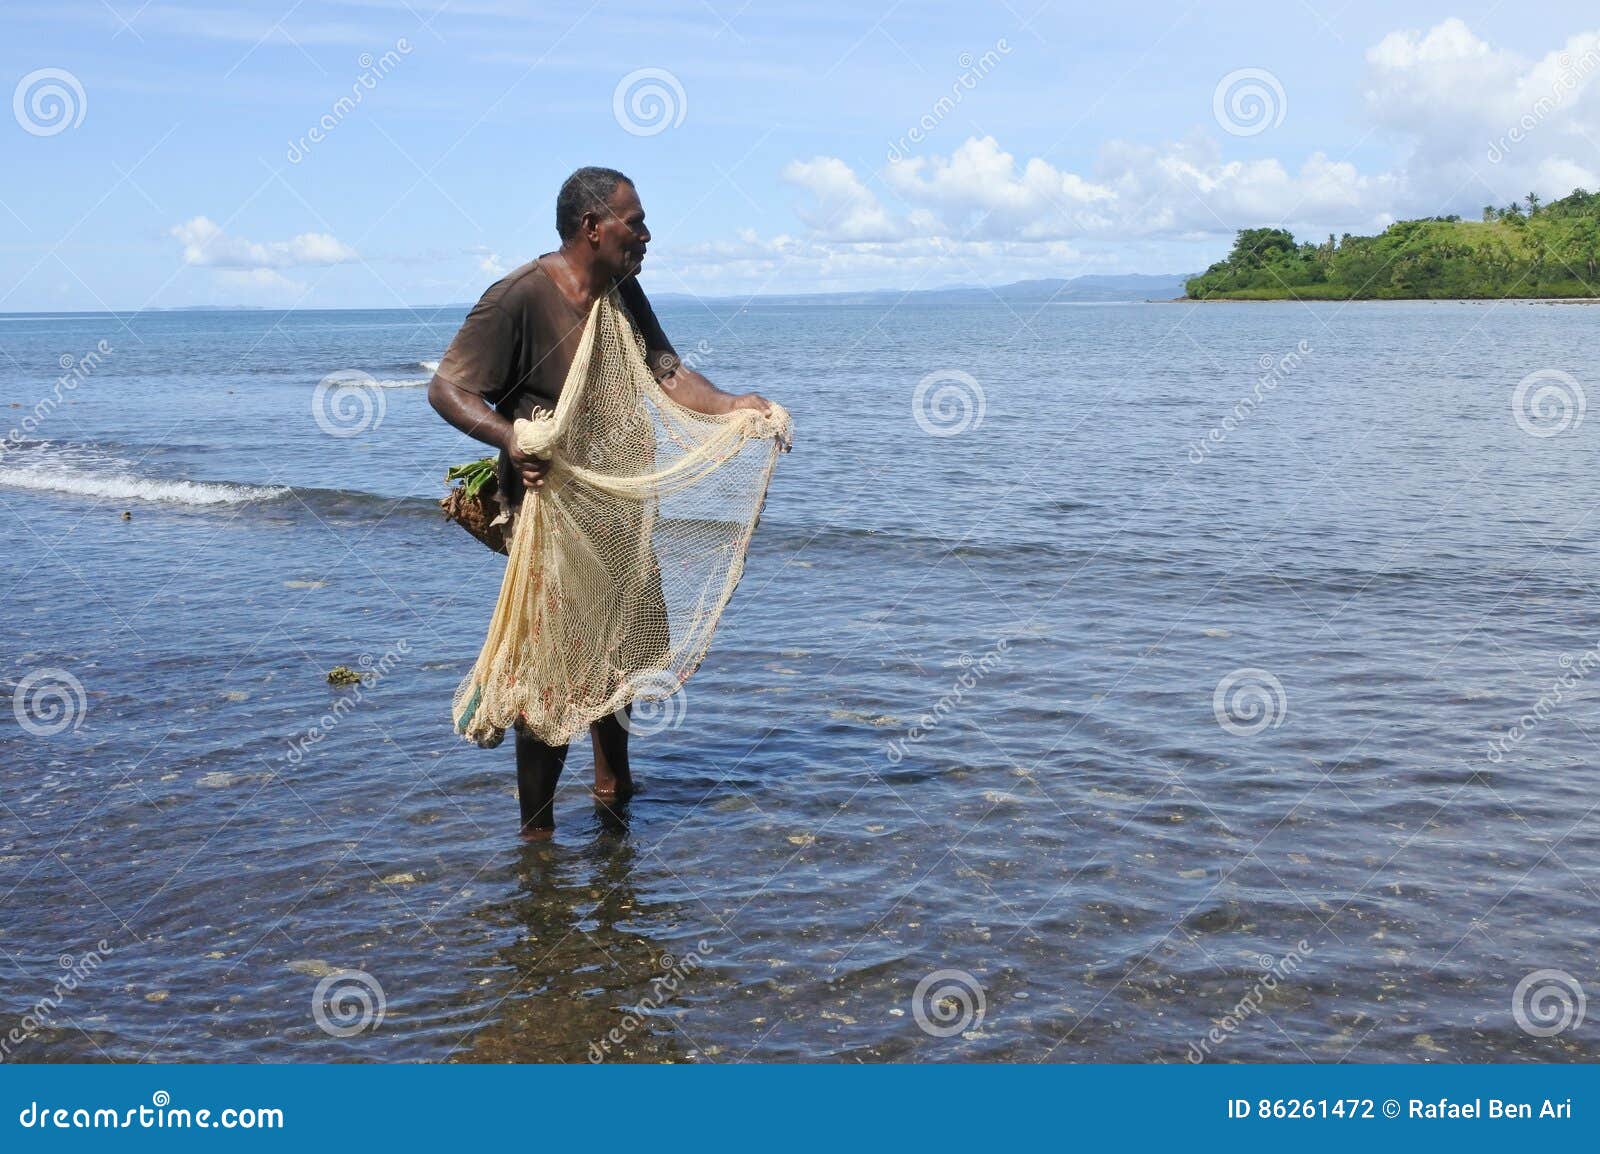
x,y
761,405
532,468
751,401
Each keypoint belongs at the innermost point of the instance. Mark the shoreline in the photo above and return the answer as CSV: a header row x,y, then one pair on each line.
x,y
1376,300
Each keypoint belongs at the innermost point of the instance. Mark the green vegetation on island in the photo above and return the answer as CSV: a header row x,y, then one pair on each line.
x,y
1529,249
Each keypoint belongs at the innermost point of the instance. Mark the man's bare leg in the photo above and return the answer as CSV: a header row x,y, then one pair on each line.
x,y
538,770
613,779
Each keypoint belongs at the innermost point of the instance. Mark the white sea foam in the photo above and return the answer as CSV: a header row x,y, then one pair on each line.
x,y
431,366
121,486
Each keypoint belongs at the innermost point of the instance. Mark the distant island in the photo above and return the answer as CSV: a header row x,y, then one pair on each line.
x,y
1526,249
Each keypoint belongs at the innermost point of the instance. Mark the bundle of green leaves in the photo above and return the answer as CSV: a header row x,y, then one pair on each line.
x,y
473,475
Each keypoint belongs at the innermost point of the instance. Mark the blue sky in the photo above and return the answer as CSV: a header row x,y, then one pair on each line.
x,y
163,154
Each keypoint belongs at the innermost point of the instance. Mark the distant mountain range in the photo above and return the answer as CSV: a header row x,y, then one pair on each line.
x,y
1122,287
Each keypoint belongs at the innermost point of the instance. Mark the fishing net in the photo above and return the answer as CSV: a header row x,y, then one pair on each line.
x,y
621,565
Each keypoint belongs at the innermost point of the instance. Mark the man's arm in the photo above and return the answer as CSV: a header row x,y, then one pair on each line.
x,y
689,388
469,413
693,391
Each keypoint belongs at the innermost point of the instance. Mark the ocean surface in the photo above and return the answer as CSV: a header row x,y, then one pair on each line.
x,y
1125,682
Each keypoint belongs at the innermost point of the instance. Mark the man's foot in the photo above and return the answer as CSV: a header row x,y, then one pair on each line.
x,y
537,832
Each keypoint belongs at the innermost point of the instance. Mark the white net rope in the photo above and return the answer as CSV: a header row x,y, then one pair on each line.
x,y
621,566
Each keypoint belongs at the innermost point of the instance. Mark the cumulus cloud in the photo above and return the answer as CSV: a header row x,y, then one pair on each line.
x,y
205,244
267,279
981,193
843,207
980,188
1484,122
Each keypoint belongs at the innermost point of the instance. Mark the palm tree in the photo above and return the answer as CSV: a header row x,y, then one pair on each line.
x,y
1533,202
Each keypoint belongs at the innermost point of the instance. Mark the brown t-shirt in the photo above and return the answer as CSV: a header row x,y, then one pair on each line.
x,y
518,343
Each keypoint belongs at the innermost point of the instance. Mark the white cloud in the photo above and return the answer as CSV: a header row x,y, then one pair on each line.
x,y
844,208
979,189
983,194
268,279
1485,123
205,244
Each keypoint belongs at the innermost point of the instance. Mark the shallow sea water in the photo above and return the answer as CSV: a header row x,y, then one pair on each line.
x,y
1050,739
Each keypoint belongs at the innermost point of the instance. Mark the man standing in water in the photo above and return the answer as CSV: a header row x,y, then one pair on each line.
x,y
511,358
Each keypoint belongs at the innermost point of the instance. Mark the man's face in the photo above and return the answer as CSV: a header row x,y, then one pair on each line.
x,y
622,233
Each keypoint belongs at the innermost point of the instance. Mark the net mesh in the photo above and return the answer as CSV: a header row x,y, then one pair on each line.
x,y
621,566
